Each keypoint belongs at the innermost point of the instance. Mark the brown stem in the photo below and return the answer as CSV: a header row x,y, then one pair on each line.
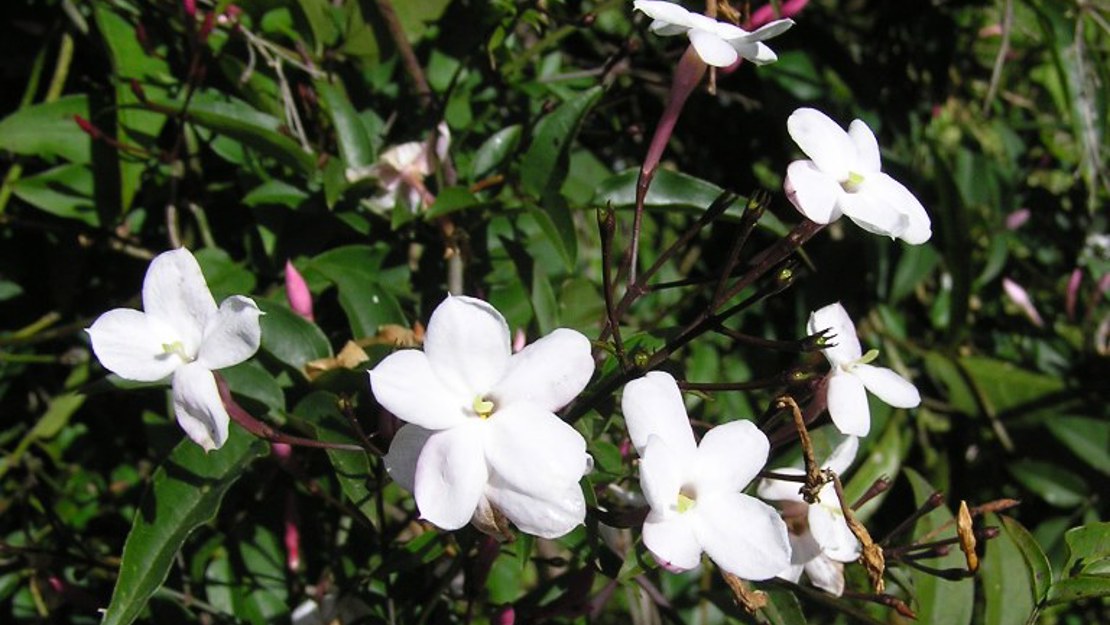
x,y
404,48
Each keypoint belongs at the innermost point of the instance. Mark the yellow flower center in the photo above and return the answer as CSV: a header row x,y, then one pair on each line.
x,y
687,499
871,355
176,348
482,407
852,184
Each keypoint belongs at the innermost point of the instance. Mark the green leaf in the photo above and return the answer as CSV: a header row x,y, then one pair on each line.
x,y
884,460
1006,387
350,133
1031,552
1008,581
65,191
185,493
251,380
939,600
782,607
1087,571
275,192
451,200
224,276
1050,482
321,21
48,130
495,150
415,16
669,189
544,304
1086,437
352,468
240,121
289,337
916,264
9,290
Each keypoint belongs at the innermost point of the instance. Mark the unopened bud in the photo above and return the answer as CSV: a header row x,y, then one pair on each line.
x,y
297,293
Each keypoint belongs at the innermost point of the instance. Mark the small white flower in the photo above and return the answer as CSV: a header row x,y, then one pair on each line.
x,y
820,538
481,425
695,490
401,170
717,43
182,333
851,375
845,177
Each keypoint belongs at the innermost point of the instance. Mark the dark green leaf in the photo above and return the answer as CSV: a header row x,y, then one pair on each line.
x,y
1086,437
917,262
543,301
495,150
185,493
939,600
65,191
290,338
250,380
354,144
1007,578
275,192
225,277
1050,482
782,608
451,200
884,459
1031,552
668,190
48,130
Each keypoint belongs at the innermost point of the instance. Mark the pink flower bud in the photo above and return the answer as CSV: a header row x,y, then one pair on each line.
x,y
519,340
504,616
296,290
1017,218
1072,293
1019,296
282,451
292,534
190,8
766,13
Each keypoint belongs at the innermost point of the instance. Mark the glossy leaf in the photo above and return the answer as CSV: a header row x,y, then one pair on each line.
x,y
65,191
289,337
1050,482
495,150
354,144
1087,438
48,130
1007,577
938,600
185,493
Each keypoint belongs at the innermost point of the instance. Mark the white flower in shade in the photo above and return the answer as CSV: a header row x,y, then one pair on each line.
x,y
694,490
481,426
844,177
401,170
820,539
180,332
717,43
851,377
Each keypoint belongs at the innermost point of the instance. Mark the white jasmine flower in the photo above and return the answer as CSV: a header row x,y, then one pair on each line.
x,y
481,425
820,538
180,332
401,170
695,490
845,177
851,375
717,43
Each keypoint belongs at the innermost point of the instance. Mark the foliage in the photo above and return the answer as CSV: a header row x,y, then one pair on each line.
x,y
249,133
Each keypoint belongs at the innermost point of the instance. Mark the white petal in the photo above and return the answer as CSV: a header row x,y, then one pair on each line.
x,y
823,141
661,477
653,405
533,450
467,343
672,541
712,49
803,547
548,373
770,29
847,401
888,386
451,476
198,407
730,456
826,574
917,228
867,147
667,29
782,490
846,347
663,11
404,384
842,455
830,530
813,192
755,51
404,452
233,334
871,209
791,573
539,514
174,292
743,535
401,157
131,344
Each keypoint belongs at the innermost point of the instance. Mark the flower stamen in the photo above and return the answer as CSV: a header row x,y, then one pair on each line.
x,y
687,499
482,407
176,348
853,183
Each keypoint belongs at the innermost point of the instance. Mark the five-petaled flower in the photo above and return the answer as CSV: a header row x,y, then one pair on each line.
x,y
845,177
851,375
820,539
694,490
180,332
481,432
719,44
